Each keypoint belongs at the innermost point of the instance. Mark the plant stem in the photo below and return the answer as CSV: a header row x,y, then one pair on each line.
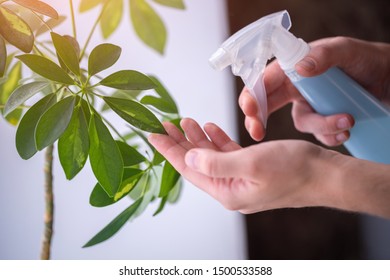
x,y
93,30
73,19
49,201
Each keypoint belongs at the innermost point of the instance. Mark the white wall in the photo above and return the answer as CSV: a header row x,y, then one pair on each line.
x,y
195,228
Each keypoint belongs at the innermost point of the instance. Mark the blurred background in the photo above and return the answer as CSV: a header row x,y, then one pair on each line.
x,y
197,227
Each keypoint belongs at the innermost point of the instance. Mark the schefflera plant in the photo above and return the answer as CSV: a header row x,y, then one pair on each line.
x,y
124,165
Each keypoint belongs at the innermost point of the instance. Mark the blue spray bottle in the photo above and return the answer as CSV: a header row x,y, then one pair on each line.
x,y
332,92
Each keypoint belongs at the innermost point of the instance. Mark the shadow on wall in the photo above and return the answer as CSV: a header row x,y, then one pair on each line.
x,y
314,233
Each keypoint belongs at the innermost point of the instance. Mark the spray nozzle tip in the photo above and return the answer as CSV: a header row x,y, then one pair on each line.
x,y
220,59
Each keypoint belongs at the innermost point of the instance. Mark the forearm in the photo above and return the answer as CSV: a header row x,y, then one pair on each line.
x,y
358,185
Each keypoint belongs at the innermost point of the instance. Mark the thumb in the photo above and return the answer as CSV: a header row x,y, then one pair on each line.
x,y
216,164
325,54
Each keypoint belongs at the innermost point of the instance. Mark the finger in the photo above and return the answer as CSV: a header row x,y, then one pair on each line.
x,y
333,140
324,54
306,120
195,134
280,91
255,128
215,164
177,135
175,153
248,103
220,138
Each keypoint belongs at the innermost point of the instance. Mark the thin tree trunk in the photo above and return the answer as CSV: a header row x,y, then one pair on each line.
x,y
49,201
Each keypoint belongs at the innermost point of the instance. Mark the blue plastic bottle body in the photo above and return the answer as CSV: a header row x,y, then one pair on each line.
x,y
335,92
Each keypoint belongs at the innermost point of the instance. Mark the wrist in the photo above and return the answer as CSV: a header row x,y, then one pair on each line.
x,y
355,185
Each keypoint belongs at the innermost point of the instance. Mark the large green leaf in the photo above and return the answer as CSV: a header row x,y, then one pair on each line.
x,y
128,80
6,90
46,68
39,7
111,18
115,225
25,134
148,25
130,155
66,52
178,4
135,114
15,30
3,57
87,5
102,57
105,158
54,122
73,146
169,179
99,197
22,94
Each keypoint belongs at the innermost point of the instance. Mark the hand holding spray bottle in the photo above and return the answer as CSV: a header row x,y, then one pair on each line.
x,y
332,92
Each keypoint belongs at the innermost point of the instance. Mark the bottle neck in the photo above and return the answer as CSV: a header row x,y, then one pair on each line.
x,y
288,49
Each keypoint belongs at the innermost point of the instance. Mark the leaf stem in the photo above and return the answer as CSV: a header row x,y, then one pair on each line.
x,y
93,30
49,200
73,19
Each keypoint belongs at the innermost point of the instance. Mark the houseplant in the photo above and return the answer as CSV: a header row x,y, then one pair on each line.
x,y
60,100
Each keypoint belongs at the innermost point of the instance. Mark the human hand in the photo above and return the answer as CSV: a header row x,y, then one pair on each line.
x,y
265,176
366,62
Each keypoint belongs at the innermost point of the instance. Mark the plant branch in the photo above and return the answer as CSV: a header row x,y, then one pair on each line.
x,y
93,30
49,200
73,19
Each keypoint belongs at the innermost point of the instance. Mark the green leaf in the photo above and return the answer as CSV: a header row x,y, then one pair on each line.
x,y
157,158
46,68
15,30
174,194
128,80
115,225
169,179
51,23
3,57
25,134
87,5
6,90
54,122
22,94
73,146
129,183
159,104
66,52
111,18
103,57
164,94
130,155
39,7
148,25
161,206
178,4
105,158
11,83
135,114
99,197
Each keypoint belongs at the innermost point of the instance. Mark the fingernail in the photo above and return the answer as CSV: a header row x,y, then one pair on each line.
x,y
191,159
307,63
343,123
341,137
